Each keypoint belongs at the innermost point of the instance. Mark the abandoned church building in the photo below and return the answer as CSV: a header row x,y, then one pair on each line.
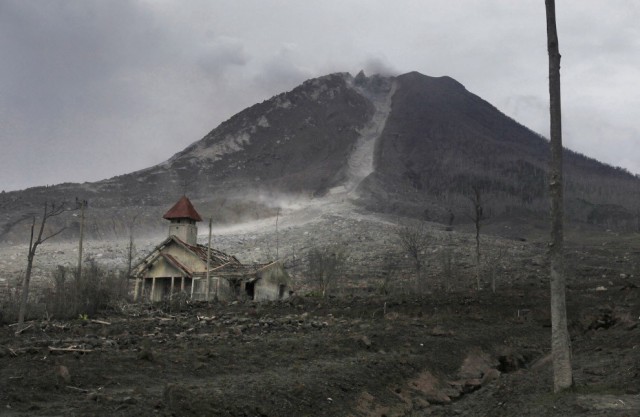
x,y
179,264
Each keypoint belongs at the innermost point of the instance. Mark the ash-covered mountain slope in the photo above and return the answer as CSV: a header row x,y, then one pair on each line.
x,y
441,141
413,145
298,142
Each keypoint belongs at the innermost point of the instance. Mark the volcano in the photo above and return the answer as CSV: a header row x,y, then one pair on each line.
x,y
410,145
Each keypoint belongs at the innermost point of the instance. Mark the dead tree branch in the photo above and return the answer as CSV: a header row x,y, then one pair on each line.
x,y
49,211
414,240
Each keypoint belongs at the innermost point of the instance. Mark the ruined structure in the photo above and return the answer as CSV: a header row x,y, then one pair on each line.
x,y
179,264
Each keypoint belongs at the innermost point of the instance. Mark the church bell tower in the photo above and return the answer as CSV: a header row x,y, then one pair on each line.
x,y
183,217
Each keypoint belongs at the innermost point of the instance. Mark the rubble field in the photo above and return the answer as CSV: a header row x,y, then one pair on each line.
x,y
464,353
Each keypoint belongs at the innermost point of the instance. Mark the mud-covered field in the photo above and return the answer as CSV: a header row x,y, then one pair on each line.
x,y
471,353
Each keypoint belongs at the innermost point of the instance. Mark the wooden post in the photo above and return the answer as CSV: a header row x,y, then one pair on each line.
x,y
277,240
153,289
83,204
560,339
206,284
182,283
136,290
172,283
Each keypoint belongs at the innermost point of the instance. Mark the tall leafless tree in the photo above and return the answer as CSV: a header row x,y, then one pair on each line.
x,y
477,216
414,240
82,205
560,341
131,249
36,239
277,238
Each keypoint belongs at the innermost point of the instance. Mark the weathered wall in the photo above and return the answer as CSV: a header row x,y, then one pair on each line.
x,y
226,290
272,285
225,293
187,232
155,293
187,258
162,268
266,291
161,289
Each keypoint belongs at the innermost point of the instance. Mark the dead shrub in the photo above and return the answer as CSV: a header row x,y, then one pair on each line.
x,y
9,305
324,266
175,303
447,258
414,241
390,272
96,289
493,265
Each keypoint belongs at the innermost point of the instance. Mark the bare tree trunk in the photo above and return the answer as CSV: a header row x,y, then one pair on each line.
x,y
130,255
26,281
34,242
477,215
414,240
83,205
277,240
478,255
207,283
560,341
25,293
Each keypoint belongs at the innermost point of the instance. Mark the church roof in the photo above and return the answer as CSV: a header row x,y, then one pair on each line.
x,y
183,209
217,258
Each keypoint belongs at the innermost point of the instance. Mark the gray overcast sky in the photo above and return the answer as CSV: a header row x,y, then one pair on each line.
x,y
90,89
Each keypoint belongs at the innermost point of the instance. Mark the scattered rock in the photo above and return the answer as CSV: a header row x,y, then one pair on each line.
x,y
609,402
129,400
470,385
602,318
476,364
439,331
62,375
543,362
490,375
146,354
177,398
510,361
365,341
392,316
431,388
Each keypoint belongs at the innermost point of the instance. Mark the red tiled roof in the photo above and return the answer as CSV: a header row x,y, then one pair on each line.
x,y
183,209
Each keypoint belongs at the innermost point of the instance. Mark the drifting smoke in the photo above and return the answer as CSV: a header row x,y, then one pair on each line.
x,y
380,66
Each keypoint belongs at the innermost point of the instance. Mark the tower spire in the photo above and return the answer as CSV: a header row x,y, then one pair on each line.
x,y
183,217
